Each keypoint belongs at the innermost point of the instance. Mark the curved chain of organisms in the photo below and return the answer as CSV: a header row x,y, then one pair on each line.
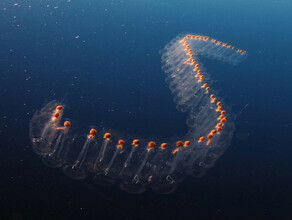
x,y
135,168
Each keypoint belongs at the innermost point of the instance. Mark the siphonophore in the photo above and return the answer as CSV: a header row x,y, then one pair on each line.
x,y
135,164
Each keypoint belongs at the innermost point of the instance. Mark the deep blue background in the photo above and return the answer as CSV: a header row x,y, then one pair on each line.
x,y
111,74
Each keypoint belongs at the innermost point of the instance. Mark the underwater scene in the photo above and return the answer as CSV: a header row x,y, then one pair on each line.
x,y
145,109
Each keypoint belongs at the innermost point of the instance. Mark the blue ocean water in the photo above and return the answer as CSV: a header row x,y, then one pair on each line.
x,y
101,58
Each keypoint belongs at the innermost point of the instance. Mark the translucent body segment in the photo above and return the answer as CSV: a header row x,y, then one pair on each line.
x,y
77,170
60,148
43,127
135,164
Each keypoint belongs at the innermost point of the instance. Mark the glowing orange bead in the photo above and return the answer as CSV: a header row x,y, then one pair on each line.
x,y
220,117
219,124
121,142
219,103
136,142
219,129
187,143
214,100
59,107
151,144
179,144
107,135
207,89
210,136
201,139
67,124
213,132
223,112
93,132
204,85
163,146
56,115
212,96
223,120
